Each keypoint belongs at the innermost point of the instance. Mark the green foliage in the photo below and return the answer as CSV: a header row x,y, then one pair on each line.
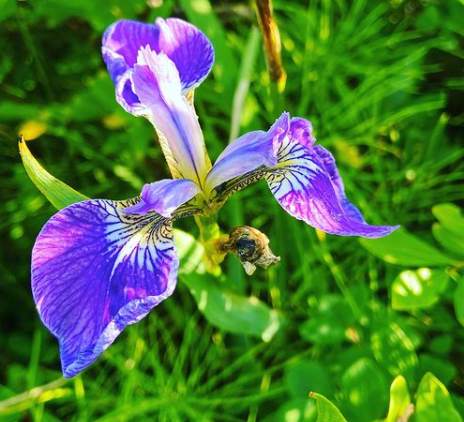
x,y
382,83
418,289
403,248
433,402
326,411
393,348
231,312
449,231
364,386
308,376
459,301
399,399
58,193
331,322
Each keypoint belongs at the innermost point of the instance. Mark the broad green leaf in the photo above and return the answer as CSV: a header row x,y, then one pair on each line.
x,y
305,376
399,399
403,248
450,216
418,289
58,193
326,411
229,311
433,402
449,232
296,410
331,322
442,344
459,301
394,350
450,240
443,369
366,390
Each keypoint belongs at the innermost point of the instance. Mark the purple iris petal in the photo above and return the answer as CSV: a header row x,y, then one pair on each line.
x,y
125,95
95,271
301,131
248,152
307,185
189,49
121,44
328,162
303,178
156,82
164,197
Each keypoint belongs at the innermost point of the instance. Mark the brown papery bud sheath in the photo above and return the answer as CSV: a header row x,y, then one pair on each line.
x,y
271,41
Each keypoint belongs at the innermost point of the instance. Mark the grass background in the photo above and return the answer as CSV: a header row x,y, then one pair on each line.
x,y
382,83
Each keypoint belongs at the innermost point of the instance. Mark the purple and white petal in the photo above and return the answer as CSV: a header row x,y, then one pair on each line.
x,y
307,185
122,42
96,270
301,131
155,80
247,153
189,49
126,97
328,162
164,197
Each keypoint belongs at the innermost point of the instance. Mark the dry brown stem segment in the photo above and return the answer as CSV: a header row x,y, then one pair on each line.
x,y
271,41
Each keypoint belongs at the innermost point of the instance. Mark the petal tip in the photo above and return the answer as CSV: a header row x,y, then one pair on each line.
x,y
387,230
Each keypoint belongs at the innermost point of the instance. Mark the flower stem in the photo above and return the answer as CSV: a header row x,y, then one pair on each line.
x,y
210,233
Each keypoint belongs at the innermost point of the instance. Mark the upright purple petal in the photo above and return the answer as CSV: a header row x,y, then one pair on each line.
x,y
156,82
247,153
302,184
96,270
122,42
189,49
164,197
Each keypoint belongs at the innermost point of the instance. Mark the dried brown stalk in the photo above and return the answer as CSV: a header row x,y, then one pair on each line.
x,y
271,41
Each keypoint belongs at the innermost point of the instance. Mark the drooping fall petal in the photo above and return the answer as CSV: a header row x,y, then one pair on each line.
x,y
96,270
302,177
302,184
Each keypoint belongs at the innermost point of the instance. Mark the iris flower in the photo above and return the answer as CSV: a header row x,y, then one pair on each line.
x,y
100,265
